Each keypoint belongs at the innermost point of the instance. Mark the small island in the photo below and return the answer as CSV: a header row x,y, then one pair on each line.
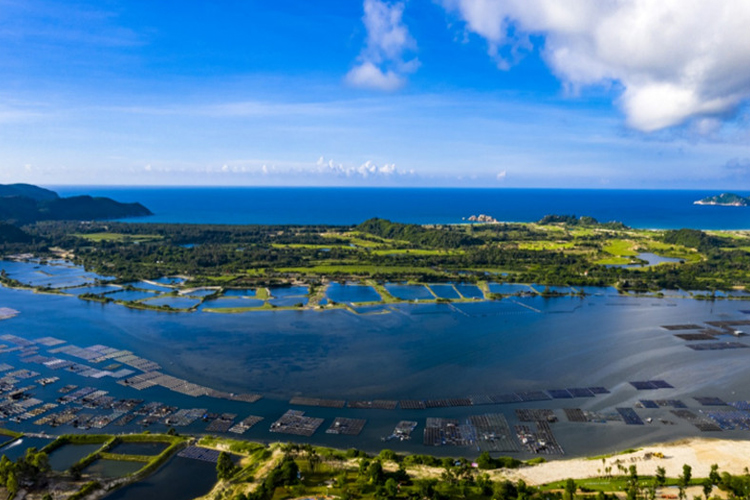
x,y
725,200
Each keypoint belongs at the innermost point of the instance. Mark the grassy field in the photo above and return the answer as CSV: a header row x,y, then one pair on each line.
x,y
118,237
621,248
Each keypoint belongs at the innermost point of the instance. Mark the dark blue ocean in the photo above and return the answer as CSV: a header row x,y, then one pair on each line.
x,y
664,209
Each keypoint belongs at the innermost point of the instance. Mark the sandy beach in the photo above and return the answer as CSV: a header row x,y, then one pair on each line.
x,y
699,453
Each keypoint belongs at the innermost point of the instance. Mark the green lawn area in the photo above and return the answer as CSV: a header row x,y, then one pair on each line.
x,y
414,251
358,269
309,246
117,237
546,245
612,261
620,248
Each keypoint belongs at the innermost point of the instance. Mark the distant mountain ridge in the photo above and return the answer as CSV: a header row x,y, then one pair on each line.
x,y
725,200
27,190
26,203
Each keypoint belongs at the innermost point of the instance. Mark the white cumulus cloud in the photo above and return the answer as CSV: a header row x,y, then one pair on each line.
x,y
381,64
675,59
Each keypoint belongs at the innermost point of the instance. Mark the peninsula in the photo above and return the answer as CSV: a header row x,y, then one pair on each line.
x,y
26,204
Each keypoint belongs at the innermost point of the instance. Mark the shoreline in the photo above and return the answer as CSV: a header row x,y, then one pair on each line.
x,y
698,452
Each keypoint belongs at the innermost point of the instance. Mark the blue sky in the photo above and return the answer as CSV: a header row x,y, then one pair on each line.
x,y
487,93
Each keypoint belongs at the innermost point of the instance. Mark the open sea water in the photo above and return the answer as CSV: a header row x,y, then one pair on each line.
x,y
663,209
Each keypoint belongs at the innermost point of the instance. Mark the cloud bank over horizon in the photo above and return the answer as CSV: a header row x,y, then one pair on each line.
x,y
676,60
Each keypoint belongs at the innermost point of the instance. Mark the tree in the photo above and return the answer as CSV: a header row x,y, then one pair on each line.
x,y
391,488
570,489
12,484
708,487
375,472
225,468
661,476
714,474
687,474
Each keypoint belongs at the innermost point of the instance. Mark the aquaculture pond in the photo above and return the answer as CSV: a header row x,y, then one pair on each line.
x,y
509,288
289,291
470,291
131,295
200,292
563,290
445,291
144,285
64,457
173,302
143,449
97,290
57,275
180,479
352,293
169,280
231,303
288,301
239,292
109,469
17,448
409,292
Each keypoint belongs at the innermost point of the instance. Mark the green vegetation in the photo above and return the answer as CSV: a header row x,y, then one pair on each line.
x,y
559,250
28,469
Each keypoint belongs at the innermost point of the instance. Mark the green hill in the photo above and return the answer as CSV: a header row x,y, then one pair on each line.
x,y
25,204
27,191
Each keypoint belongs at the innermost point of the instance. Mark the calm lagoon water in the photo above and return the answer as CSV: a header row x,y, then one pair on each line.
x,y
406,351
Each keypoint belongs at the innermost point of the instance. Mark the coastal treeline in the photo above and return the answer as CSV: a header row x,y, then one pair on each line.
x,y
559,250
